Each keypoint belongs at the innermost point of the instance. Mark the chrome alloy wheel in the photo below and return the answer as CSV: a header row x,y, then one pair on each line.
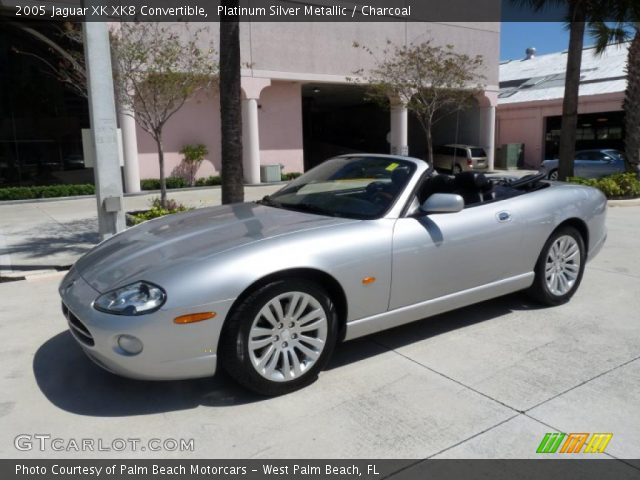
x,y
563,265
287,336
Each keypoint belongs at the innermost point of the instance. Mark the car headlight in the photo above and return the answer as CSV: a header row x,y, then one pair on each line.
x,y
135,299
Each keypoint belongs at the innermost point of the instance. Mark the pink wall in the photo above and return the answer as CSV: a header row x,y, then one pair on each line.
x,y
197,122
524,122
280,119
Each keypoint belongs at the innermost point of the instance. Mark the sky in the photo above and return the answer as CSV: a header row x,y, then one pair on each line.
x,y
546,37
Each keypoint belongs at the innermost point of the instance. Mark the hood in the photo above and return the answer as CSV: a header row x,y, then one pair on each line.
x,y
192,236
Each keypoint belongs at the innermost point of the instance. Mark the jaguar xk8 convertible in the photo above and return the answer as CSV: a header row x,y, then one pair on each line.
x,y
359,244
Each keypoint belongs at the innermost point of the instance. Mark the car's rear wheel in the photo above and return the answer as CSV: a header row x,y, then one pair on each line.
x,y
559,269
553,175
457,169
279,337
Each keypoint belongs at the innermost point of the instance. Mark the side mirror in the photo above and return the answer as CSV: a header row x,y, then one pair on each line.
x,y
442,203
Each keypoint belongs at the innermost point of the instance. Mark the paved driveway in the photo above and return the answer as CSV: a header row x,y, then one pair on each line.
x,y
487,381
42,235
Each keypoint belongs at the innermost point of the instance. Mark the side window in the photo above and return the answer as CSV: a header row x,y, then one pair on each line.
x,y
461,152
582,156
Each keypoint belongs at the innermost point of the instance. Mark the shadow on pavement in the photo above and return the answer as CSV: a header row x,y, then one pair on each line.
x,y
430,327
72,238
73,383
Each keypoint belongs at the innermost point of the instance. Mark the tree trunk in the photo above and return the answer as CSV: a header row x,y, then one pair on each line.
x,y
429,138
630,106
571,88
163,180
230,107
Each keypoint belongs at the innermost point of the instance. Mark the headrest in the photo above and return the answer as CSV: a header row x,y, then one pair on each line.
x,y
472,180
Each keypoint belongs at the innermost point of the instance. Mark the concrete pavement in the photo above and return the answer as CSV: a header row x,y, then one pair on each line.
x,y
487,381
40,236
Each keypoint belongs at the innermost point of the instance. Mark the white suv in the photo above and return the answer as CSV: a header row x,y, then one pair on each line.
x,y
459,158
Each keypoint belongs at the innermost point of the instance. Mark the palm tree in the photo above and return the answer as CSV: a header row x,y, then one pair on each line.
x,y
230,106
606,35
578,13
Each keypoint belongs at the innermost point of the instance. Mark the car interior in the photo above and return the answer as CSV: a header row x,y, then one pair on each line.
x,y
476,188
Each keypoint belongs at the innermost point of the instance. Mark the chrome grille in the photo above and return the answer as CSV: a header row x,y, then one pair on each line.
x,y
78,329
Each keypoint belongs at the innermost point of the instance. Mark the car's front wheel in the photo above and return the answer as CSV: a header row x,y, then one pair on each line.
x,y
553,175
280,336
560,266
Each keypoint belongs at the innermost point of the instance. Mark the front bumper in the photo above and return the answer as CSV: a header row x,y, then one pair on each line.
x,y
170,351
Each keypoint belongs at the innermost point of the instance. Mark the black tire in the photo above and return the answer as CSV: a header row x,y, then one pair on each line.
x,y
456,169
540,291
553,173
234,349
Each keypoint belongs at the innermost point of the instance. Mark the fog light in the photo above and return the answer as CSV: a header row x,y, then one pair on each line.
x,y
129,344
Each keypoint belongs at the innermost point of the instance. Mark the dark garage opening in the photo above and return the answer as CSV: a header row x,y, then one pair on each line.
x,y
339,119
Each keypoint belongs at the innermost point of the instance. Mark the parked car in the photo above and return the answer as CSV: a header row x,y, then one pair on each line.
x,y
459,158
590,164
359,244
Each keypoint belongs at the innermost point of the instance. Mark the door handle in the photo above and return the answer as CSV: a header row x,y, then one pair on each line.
x,y
503,216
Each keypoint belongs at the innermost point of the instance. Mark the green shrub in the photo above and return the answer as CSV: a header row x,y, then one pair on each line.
x,y
154,183
156,210
48,191
290,176
619,185
176,182
208,181
193,158
150,184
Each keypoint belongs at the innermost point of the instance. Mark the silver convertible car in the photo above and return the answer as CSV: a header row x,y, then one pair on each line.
x,y
359,244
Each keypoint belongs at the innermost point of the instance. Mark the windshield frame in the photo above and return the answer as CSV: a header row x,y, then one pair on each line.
x,y
417,168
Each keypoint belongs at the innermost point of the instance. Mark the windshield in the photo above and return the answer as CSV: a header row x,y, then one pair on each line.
x,y
353,187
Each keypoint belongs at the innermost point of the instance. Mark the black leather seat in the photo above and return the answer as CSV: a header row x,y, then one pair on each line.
x,y
436,184
473,187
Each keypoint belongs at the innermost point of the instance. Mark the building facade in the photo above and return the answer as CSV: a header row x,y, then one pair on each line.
x,y
299,106
530,102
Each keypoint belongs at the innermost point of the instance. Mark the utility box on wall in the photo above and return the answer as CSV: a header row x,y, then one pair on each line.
x,y
270,173
510,156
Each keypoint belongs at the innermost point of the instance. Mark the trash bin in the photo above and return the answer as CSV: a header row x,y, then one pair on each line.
x,y
270,173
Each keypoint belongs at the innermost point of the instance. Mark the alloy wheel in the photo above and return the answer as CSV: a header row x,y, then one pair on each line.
x,y
562,265
287,336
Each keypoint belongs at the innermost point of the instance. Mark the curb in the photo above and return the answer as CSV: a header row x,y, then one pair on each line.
x,y
632,202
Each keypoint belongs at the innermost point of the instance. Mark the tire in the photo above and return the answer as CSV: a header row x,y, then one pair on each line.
x,y
553,175
276,351
457,169
559,268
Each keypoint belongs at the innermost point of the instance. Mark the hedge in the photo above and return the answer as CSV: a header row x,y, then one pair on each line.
x,y
52,191
618,186
49,191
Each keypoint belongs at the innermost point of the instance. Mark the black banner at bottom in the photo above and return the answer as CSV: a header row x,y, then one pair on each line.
x,y
547,469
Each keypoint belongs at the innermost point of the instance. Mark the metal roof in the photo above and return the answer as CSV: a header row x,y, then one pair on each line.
x,y
542,77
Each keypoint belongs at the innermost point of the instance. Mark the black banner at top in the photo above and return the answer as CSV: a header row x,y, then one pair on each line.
x,y
280,11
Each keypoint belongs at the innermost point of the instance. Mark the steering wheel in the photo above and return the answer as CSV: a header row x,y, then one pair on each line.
x,y
377,194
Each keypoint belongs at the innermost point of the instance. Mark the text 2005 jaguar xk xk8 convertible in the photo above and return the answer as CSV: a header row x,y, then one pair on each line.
x,y
359,244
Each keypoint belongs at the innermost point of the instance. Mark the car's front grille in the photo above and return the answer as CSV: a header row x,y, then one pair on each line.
x,y
79,330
